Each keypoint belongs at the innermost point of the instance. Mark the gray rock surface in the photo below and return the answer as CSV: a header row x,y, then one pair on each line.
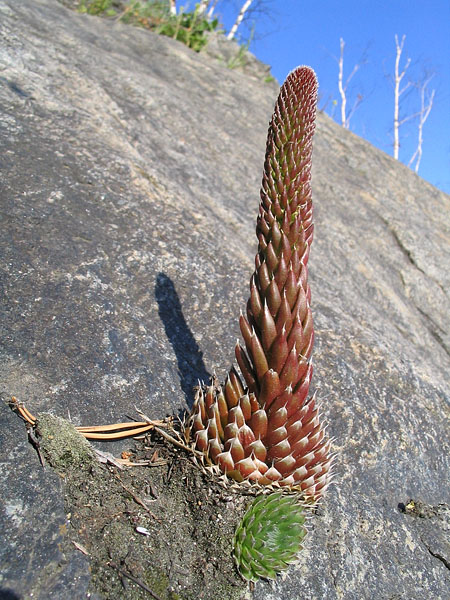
x,y
130,177
235,56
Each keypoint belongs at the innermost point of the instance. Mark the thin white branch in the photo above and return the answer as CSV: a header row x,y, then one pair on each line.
x,y
409,117
398,92
211,9
357,102
239,19
345,118
340,84
202,6
404,88
173,7
355,69
424,113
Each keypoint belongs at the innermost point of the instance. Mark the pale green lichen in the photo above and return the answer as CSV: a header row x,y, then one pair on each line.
x,y
61,444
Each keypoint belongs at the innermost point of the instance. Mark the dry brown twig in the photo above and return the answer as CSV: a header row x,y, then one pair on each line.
x,y
113,432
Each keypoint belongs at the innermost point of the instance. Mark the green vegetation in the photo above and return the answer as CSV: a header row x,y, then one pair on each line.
x,y
186,27
190,519
189,27
97,7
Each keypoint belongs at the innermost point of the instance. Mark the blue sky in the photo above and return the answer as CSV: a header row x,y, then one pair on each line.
x,y
308,31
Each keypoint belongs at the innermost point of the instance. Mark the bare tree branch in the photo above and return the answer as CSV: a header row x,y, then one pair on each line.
x,y
359,98
409,117
173,7
340,84
202,6
239,19
426,103
212,8
345,118
398,92
424,112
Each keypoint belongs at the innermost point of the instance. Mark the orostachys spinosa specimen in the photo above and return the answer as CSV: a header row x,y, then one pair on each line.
x,y
263,427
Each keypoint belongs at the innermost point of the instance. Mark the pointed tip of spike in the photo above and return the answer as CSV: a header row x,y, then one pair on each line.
x,y
302,67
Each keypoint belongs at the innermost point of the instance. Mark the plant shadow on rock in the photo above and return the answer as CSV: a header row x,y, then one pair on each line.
x,y
188,518
166,525
6,594
191,367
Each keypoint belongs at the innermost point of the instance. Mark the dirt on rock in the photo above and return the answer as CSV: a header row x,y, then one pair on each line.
x,y
162,530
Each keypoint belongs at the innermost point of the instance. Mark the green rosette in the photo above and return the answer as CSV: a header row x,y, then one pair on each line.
x,y
269,537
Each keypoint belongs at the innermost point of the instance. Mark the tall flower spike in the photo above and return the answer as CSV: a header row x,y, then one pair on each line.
x,y
270,432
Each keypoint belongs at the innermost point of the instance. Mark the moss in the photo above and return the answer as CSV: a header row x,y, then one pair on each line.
x,y
190,519
61,444
159,583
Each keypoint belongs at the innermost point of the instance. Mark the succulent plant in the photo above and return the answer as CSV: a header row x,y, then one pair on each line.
x,y
268,430
265,429
269,537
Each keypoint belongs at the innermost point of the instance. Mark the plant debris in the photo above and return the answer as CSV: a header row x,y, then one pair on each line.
x,y
188,517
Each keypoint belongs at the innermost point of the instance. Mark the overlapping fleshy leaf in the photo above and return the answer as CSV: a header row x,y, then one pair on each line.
x,y
265,428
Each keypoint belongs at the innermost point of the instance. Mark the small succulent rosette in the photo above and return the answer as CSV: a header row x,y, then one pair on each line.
x,y
270,535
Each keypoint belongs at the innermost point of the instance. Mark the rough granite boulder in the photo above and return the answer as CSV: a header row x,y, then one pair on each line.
x,y
129,190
